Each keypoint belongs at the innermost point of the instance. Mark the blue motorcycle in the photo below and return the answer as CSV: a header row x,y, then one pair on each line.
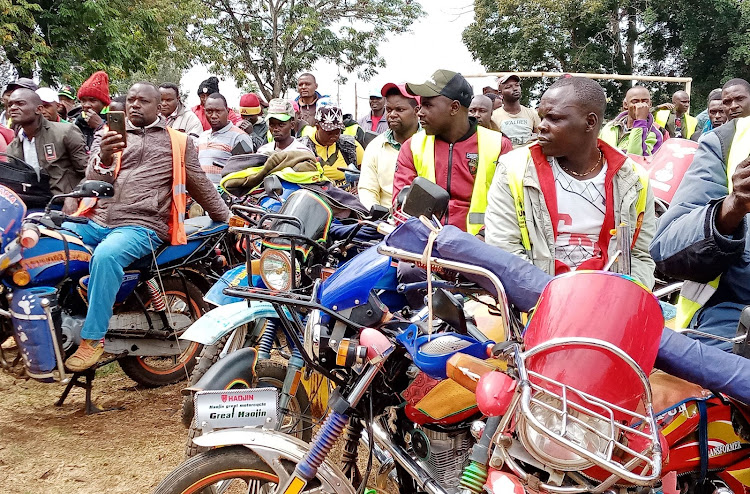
x,y
44,280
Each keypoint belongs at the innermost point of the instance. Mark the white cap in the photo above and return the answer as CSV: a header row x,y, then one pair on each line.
x,y
48,95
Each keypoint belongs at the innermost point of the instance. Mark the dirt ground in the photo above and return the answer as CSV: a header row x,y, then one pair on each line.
x,y
49,449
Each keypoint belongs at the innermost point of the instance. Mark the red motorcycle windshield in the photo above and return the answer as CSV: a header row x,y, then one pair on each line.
x,y
606,306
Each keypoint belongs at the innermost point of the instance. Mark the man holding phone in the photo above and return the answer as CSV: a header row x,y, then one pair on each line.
x,y
151,173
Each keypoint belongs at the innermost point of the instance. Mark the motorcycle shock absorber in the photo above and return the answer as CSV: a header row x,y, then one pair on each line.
x,y
352,435
157,298
265,345
474,474
322,444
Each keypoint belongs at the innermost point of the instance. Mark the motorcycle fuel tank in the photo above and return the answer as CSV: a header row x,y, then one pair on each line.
x,y
48,262
350,285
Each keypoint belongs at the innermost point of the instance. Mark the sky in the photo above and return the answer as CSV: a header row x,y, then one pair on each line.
x,y
434,43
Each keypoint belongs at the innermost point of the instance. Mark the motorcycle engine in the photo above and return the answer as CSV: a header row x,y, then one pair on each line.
x,y
443,454
71,330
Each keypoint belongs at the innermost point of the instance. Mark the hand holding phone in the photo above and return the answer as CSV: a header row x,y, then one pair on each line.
x,y
116,123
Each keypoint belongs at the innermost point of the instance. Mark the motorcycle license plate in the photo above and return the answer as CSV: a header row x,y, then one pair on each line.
x,y
222,409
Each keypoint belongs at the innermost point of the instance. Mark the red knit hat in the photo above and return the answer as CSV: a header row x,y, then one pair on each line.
x,y
96,86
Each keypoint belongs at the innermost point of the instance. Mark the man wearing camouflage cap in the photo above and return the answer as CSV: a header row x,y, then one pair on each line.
x,y
281,123
451,149
334,149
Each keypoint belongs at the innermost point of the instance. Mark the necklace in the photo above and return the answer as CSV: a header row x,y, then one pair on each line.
x,y
576,174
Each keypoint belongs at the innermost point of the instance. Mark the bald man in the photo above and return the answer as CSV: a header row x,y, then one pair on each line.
x,y
674,117
57,148
634,131
556,202
481,108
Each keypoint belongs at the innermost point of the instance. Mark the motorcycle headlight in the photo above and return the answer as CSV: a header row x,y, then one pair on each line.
x,y
543,448
276,269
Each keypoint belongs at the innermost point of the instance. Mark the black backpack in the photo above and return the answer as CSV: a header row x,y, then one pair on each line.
x,y
22,179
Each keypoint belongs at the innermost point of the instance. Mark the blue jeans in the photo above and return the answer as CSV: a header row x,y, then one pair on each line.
x,y
115,249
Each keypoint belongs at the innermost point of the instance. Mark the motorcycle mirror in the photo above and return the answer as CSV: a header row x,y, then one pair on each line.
x,y
272,185
742,348
93,188
378,212
402,196
242,147
426,198
448,308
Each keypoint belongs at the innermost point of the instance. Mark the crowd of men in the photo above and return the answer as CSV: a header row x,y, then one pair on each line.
x,y
548,184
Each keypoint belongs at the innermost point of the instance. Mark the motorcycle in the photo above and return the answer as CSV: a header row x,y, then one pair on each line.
x,y
44,272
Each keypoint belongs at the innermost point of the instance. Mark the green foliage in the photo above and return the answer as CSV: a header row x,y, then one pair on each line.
x,y
64,41
270,41
706,40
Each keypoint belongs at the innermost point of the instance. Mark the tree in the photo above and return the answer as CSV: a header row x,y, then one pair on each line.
x,y
271,41
64,41
704,40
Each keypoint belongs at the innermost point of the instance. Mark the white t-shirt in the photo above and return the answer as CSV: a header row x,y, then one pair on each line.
x,y
581,205
270,147
29,151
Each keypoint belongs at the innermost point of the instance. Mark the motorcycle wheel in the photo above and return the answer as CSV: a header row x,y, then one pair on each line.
x,y
153,372
269,373
227,470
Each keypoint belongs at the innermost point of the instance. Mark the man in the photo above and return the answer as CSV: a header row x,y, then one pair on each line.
x,y
215,146
69,109
514,120
281,123
21,82
633,131
489,90
375,121
716,115
147,210
735,96
702,117
174,112
379,162
55,147
207,88
253,122
50,104
307,87
674,117
497,100
94,98
556,202
481,109
703,237
117,103
334,149
450,150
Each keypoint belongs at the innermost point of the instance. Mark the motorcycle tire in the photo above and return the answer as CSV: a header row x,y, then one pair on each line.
x,y
269,373
153,372
202,473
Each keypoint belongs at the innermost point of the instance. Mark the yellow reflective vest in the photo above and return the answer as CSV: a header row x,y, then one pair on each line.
x,y
489,144
694,295
690,123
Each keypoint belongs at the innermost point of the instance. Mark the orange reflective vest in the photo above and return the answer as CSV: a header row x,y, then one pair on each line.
x,y
179,189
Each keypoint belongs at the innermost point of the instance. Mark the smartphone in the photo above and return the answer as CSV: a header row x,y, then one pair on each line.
x,y
116,122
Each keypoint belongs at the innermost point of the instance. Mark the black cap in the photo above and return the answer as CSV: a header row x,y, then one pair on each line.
x,y
446,83
22,82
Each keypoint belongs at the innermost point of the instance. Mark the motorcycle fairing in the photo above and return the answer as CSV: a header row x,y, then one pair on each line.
x,y
314,214
350,285
12,212
48,262
216,323
129,282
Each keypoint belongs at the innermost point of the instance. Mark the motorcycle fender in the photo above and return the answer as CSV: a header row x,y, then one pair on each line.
x,y
220,321
236,368
273,447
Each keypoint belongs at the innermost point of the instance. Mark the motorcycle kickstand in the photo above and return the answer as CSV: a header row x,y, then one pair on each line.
x,y
89,374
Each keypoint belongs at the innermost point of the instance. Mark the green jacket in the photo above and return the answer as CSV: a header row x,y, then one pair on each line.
x,y
61,150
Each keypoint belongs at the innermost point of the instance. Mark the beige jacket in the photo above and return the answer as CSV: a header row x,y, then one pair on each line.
x,y
502,224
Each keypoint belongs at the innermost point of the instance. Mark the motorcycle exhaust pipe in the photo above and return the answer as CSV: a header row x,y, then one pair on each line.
x,y
424,480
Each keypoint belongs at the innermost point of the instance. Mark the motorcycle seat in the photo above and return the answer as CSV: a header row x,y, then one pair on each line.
x,y
203,226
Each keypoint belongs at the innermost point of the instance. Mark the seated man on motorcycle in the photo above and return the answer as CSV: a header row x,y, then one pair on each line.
x,y
555,203
151,169
702,238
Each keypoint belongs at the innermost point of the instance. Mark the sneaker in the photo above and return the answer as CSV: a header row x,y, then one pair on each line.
x,y
88,354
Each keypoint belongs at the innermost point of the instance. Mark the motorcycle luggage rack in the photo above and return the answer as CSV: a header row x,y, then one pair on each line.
x,y
502,304
531,390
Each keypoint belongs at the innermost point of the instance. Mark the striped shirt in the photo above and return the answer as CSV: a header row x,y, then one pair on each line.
x,y
215,148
